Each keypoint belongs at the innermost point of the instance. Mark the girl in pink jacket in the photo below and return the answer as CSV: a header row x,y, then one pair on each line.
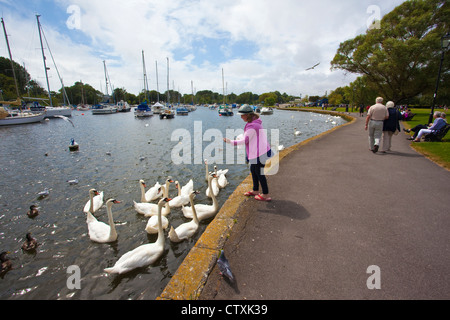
x,y
257,150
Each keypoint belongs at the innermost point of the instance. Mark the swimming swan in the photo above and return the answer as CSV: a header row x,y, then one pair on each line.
x,y
151,209
204,211
100,231
145,254
188,229
187,188
152,194
179,200
221,178
95,202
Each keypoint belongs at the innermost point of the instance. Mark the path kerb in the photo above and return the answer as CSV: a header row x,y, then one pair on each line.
x,y
190,278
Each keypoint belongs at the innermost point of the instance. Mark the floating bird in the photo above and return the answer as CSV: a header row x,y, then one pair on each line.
x,y
95,201
204,211
73,181
65,119
6,264
313,66
280,147
33,212
188,229
224,266
145,254
296,132
180,199
43,194
30,243
153,193
100,231
151,209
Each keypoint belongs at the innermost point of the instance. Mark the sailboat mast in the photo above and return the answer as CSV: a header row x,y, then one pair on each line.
x,y
223,88
10,58
157,81
43,58
168,89
192,89
145,78
106,77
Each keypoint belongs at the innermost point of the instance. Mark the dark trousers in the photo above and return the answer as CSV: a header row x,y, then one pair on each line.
x,y
417,128
257,171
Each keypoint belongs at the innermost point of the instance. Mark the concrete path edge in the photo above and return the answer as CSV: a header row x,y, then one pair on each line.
x,y
190,278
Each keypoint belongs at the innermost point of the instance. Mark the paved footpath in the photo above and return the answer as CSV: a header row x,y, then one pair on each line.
x,y
338,209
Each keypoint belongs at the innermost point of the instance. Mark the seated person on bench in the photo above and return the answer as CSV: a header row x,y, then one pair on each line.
x,y
438,124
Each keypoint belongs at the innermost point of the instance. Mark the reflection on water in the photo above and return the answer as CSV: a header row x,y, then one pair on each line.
x,y
116,151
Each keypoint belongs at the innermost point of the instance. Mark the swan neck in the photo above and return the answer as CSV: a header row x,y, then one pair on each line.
x,y
212,193
143,193
110,219
160,239
91,200
194,212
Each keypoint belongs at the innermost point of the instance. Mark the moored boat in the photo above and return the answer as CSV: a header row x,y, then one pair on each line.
x,y
143,110
12,118
103,109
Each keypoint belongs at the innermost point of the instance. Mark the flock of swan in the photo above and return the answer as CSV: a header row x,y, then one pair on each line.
x,y
157,213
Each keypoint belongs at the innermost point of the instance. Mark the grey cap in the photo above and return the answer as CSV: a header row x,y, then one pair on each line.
x,y
245,109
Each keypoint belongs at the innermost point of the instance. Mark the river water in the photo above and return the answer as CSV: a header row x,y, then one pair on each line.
x,y
116,151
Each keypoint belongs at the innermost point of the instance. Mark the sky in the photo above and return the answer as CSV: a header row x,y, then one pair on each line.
x,y
261,45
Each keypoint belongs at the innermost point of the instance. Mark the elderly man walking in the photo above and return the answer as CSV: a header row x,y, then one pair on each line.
x,y
374,122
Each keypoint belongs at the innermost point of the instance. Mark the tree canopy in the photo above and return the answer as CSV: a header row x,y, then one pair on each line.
x,y
400,60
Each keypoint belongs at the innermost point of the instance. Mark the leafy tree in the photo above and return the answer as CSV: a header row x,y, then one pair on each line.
x,y
400,59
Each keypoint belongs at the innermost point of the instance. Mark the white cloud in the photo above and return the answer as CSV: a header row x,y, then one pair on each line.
x,y
286,37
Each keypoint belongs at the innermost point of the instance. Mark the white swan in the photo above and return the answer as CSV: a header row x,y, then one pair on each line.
x,y
204,211
95,201
100,231
296,132
180,199
145,254
188,229
222,179
187,188
153,193
214,187
152,224
151,209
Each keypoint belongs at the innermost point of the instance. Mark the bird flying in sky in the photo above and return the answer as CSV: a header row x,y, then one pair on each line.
x,y
313,66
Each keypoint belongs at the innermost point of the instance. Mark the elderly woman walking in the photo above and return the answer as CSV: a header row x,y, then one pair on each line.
x,y
390,126
257,150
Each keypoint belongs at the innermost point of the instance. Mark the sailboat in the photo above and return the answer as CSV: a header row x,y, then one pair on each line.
x,y
144,110
50,111
224,109
11,117
105,107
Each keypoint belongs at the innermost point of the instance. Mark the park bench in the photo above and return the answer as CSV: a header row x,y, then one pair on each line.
x,y
439,135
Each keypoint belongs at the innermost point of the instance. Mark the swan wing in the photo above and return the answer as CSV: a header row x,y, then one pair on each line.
x,y
99,231
188,188
179,201
186,230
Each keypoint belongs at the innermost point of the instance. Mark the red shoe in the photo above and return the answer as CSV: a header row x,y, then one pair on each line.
x,y
251,193
261,198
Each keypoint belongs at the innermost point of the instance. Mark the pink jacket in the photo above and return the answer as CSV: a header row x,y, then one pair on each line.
x,y
255,139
